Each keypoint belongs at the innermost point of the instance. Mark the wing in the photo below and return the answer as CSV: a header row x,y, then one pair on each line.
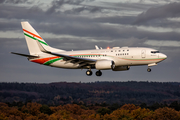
x,y
75,60
83,62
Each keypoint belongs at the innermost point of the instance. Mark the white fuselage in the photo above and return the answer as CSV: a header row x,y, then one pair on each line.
x,y
125,56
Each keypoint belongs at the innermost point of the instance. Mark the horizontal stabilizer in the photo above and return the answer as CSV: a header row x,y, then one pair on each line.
x,y
25,55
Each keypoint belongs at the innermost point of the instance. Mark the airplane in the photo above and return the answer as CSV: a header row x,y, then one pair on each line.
x,y
115,59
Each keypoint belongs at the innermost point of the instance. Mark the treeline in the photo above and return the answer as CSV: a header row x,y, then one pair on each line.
x,y
91,93
36,111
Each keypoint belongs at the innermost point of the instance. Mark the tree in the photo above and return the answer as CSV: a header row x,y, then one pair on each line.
x,y
103,111
166,114
32,108
129,107
43,116
121,114
175,105
61,115
45,109
73,108
141,113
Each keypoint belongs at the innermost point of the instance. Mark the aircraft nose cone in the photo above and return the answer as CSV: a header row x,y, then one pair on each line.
x,y
163,56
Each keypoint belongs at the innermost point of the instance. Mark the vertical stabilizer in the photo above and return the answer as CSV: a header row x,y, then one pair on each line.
x,y
33,39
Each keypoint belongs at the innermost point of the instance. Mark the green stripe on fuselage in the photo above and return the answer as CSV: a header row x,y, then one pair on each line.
x,y
52,61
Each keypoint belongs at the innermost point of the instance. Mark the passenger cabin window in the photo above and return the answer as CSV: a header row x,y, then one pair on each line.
x,y
154,52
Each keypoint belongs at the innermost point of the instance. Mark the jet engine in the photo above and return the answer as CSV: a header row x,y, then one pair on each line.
x,y
104,65
109,64
121,68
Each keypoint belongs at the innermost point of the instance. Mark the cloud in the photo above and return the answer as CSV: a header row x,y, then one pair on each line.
x,y
58,3
165,11
126,6
77,7
84,8
2,1
166,43
109,31
15,1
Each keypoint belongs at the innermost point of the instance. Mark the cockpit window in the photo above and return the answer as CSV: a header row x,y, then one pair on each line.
x,y
154,52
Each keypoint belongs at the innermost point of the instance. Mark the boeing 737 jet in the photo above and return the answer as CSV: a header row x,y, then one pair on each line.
x,y
115,59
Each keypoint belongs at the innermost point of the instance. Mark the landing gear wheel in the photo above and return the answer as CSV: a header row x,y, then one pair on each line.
x,y
98,73
149,69
88,72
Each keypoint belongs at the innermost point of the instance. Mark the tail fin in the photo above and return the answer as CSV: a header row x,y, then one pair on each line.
x,y
32,37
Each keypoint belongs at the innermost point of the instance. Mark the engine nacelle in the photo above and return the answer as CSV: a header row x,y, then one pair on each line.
x,y
121,68
104,64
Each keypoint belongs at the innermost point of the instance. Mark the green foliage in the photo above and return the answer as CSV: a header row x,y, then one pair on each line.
x,y
103,111
45,109
175,105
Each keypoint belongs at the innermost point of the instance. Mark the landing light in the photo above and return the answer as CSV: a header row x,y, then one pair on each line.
x,y
108,48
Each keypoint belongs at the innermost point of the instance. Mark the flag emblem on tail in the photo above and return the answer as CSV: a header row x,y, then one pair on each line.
x,y
34,36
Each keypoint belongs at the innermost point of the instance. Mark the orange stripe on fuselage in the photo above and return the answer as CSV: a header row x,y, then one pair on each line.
x,y
32,34
84,54
43,60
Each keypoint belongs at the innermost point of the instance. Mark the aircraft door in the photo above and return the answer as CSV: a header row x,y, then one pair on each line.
x,y
143,53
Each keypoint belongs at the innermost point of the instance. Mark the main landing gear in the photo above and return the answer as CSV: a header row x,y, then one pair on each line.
x,y
98,73
149,69
89,73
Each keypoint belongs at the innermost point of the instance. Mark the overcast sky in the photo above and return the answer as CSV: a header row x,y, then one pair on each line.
x,y
81,24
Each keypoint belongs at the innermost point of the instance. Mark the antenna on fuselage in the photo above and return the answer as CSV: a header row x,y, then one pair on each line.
x,y
97,48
